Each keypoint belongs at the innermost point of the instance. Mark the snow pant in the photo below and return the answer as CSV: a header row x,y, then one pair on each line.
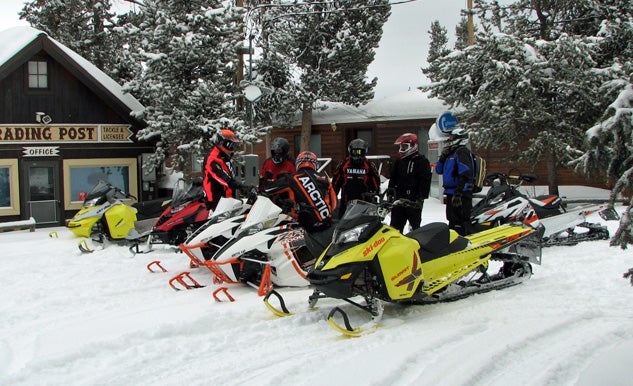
x,y
401,214
459,216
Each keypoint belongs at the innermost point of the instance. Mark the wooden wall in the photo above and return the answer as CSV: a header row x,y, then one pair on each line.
x,y
334,145
67,99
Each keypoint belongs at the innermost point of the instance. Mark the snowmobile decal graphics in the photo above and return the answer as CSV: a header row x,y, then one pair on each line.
x,y
410,279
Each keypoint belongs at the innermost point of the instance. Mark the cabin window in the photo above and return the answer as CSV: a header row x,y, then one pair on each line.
x,y
38,74
9,187
366,135
81,175
315,144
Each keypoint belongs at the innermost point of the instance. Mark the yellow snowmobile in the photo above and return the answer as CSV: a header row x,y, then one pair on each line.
x,y
374,261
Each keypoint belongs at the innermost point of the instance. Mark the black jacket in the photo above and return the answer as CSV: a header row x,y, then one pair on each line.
x,y
411,177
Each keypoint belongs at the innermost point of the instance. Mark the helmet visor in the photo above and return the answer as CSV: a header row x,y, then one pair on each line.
x,y
229,145
278,156
404,147
357,152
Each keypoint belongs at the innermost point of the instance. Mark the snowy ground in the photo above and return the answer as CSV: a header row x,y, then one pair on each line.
x,y
103,319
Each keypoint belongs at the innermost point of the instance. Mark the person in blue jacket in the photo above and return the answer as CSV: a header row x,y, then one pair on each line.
x,y
456,167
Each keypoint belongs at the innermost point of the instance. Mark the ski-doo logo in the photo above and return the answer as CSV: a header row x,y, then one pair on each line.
x,y
315,196
356,171
409,280
372,246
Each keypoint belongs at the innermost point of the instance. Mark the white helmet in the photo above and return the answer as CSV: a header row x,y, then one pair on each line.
x,y
457,137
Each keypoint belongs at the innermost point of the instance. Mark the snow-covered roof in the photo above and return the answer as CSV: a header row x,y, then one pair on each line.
x,y
15,39
413,104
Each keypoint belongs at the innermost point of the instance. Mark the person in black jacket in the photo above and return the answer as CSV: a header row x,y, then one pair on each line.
x,y
355,176
409,182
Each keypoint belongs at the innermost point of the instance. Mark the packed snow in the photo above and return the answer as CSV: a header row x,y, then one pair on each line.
x,y
68,318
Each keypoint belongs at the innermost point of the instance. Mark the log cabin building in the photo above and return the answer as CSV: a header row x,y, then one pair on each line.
x,y
381,122
64,124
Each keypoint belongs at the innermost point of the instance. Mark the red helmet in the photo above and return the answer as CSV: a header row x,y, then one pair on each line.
x,y
225,140
408,144
307,159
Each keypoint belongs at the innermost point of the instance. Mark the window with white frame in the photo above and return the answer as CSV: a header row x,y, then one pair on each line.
x,y
81,175
9,187
38,74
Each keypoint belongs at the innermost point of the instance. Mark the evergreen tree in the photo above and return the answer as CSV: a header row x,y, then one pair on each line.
x,y
189,50
461,34
609,152
320,51
438,46
85,26
530,78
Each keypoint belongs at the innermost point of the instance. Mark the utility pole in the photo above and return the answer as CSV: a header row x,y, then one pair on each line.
x,y
471,25
240,65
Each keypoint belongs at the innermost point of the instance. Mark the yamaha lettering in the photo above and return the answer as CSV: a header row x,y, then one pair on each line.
x,y
316,196
356,171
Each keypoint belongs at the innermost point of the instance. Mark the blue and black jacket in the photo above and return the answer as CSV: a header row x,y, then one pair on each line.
x,y
457,171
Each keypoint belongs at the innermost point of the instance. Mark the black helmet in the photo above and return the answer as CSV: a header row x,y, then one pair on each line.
x,y
357,149
279,149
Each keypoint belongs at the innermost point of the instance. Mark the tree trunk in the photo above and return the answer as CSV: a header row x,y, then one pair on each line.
x,y
552,173
306,126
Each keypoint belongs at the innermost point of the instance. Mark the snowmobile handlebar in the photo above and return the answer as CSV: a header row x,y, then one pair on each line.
x,y
505,178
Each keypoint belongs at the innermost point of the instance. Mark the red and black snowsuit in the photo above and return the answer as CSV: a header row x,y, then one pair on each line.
x,y
271,171
354,178
219,179
311,196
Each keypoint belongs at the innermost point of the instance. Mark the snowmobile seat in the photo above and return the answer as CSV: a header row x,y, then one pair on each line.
x,y
150,208
437,240
316,242
547,205
548,201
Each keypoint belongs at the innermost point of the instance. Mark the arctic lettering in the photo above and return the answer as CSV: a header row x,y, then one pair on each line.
x,y
316,196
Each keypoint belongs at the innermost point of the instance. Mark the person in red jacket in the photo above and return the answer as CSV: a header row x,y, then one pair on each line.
x,y
280,162
219,178
355,176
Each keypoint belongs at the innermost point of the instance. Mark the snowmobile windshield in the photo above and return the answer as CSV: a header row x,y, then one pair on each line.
x,y
358,208
103,191
99,190
361,219
263,214
227,207
185,191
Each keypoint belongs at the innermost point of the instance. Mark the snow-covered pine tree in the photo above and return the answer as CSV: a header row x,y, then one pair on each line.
x,y
85,26
322,51
437,47
533,80
609,151
189,49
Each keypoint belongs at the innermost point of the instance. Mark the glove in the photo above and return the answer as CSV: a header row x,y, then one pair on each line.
x,y
390,193
456,201
444,155
245,189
